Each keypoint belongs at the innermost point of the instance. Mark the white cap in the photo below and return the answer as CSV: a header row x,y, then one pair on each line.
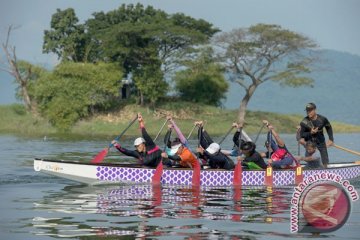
x,y
213,148
139,141
174,149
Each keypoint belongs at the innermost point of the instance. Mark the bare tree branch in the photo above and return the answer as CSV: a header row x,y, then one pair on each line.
x,y
11,66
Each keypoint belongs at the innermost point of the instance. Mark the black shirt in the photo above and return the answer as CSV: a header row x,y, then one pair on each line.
x,y
320,122
218,160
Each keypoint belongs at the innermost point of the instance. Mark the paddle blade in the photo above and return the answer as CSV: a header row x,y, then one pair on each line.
x,y
156,179
237,199
196,175
100,157
298,175
158,211
157,195
268,181
237,181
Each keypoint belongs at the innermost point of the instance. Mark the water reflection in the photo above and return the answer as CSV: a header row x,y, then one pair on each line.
x,y
146,210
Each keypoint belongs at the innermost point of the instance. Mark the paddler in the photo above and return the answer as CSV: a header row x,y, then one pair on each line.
x,y
211,151
278,154
146,151
178,149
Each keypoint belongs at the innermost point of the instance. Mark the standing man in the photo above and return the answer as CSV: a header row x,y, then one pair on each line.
x,y
312,129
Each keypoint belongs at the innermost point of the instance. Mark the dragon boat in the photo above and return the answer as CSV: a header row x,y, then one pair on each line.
x,y
110,173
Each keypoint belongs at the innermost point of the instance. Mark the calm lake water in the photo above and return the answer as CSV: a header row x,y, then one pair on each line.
x,y
39,206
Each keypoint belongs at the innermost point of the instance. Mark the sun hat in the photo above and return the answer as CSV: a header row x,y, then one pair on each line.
x,y
139,141
213,148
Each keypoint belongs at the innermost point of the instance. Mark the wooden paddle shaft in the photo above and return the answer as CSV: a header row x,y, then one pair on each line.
x,y
191,132
162,127
228,132
346,149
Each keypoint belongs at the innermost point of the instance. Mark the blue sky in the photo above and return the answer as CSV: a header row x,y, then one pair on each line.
x,y
333,24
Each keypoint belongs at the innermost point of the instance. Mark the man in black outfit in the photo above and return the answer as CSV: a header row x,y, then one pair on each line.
x,y
312,129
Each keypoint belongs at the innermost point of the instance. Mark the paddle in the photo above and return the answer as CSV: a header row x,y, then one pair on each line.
x,y
158,211
156,178
160,130
346,149
191,132
101,155
299,177
268,181
196,171
237,180
258,134
298,139
196,174
227,134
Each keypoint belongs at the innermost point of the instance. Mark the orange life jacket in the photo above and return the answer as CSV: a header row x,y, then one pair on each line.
x,y
187,157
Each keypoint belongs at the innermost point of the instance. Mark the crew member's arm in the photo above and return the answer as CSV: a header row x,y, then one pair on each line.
x,y
125,151
181,136
314,157
278,140
167,141
148,140
236,137
204,138
329,131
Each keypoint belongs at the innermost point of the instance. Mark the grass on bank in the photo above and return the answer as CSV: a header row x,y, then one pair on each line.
x,y
15,120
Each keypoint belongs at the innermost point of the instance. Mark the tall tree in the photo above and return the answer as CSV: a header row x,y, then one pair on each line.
x,y
139,37
203,81
178,37
23,72
263,53
67,38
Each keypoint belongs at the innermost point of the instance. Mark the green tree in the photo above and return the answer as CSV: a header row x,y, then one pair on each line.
x,y
265,53
150,83
124,33
140,38
203,81
178,37
67,38
76,90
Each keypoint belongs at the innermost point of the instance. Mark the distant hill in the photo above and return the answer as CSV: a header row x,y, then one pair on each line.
x,y
336,91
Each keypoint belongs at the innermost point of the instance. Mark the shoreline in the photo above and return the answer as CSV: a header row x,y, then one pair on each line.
x,y
15,121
